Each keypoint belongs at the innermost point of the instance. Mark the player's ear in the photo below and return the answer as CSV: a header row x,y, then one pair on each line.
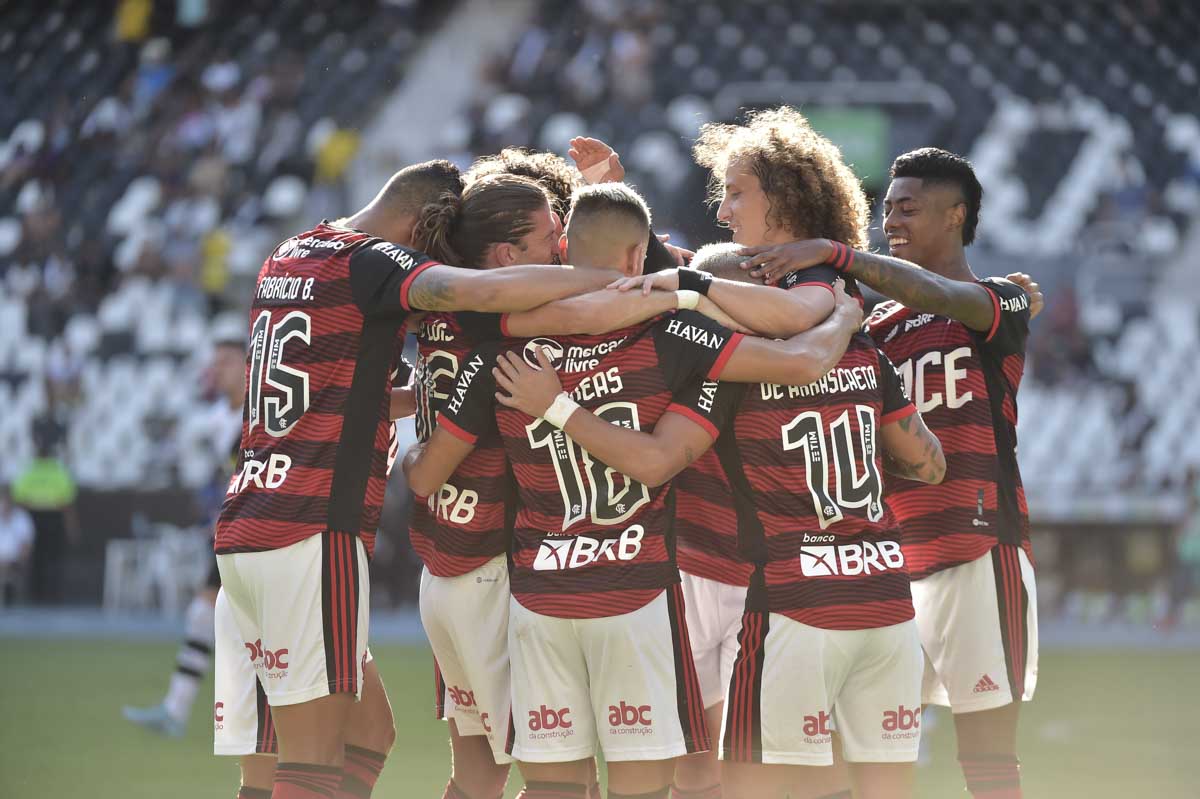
x,y
504,254
562,247
635,260
956,216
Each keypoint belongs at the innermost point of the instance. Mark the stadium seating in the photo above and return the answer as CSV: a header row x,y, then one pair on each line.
x,y
169,204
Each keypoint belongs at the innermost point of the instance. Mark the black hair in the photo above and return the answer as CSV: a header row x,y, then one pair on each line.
x,y
935,166
412,188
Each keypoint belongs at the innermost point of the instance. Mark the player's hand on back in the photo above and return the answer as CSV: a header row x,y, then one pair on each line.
x,y
666,280
772,264
528,390
1036,300
596,161
845,305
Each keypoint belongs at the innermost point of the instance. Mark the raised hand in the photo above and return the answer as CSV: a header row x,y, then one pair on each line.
x,y
596,161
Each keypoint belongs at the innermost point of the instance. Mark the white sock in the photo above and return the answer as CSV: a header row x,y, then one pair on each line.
x,y
193,661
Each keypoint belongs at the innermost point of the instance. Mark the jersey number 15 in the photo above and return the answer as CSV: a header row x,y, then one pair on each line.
x,y
277,411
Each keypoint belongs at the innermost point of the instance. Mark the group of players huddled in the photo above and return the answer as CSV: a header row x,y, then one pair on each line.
x,y
685,510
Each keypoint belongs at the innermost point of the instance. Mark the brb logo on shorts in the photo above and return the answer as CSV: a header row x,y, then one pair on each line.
x,y
850,559
582,550
901,723
554,351
277,659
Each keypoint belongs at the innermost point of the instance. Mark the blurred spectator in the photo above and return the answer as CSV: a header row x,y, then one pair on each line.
x,y
46,489
133,20
16,546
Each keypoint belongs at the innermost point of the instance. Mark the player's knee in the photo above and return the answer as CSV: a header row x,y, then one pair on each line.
x,y
698,771
639,777
258,771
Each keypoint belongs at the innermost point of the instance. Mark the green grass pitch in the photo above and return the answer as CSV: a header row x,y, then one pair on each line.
x,y
1103,725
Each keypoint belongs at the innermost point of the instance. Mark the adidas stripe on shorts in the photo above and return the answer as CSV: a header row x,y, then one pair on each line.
x,y
303,610
714,619
978,627
793,684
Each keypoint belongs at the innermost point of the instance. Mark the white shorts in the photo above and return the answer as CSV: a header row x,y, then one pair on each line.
x,y
793,683
242,722
624,682
714,619
466,620
978,626
302,614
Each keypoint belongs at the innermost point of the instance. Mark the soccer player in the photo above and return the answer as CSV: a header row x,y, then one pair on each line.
x,y
960,345
227,374
829,596
775,180
461,532
596,636
297,526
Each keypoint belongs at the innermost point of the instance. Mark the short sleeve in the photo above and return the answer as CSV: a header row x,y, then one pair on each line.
x,y
1010,328
816,276
896,404
708,403
381,275
690,346
469,410
481,327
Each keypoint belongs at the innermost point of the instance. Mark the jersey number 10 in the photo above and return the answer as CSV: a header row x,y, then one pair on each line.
x,y
601,498
852,490
278,412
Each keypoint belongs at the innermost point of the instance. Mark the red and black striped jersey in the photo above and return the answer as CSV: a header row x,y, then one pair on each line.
x,y
326,326
807,475
589,541
705,522
465,524
965,385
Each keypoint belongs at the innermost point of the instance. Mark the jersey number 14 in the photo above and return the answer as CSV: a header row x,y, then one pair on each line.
x,y
851,488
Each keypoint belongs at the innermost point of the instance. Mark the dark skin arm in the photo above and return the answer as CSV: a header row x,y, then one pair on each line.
x,y
903,281
507,289
912,451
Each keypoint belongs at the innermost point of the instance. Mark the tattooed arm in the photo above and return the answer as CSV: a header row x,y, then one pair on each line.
x,y
911,451
510,288
903,281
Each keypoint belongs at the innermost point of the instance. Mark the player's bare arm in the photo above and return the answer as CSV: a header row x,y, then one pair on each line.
x,y
802,358
510,288
427,466
905,282
763,309
599,312
403,403
650,458
912,451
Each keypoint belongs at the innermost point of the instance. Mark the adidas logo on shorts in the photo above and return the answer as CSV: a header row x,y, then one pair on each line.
x,y
986,684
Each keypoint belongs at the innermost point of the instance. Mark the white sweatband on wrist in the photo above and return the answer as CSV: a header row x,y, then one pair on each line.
x,y
686,299
560,410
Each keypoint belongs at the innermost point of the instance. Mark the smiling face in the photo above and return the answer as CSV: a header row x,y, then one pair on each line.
x,y
922,221
746,209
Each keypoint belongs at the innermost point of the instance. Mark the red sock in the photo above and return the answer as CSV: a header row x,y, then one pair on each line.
x,y
306,781
553,790
992,776
360,771
711,792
